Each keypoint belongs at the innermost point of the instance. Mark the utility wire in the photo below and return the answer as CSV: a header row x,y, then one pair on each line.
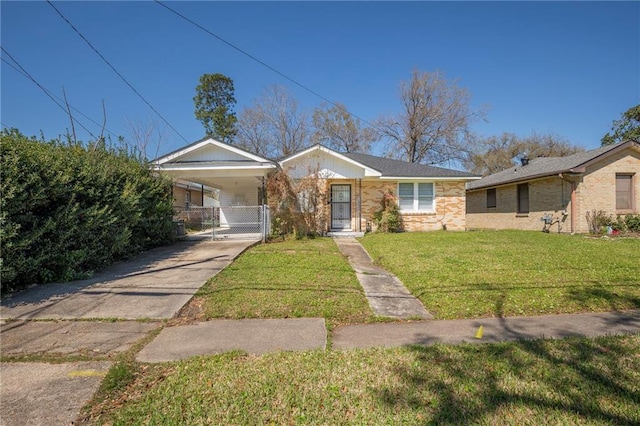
x,y
46,92
116,71
264,64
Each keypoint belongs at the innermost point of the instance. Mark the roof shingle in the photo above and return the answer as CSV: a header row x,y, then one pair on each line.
x,y
546,166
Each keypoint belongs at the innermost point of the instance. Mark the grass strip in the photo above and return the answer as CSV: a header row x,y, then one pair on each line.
x,y
290,279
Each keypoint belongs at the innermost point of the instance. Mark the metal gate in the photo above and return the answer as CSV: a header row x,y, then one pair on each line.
x,y
238,222
340,207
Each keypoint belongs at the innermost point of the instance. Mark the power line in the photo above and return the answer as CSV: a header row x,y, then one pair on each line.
x,y
116,71
264,64
46,92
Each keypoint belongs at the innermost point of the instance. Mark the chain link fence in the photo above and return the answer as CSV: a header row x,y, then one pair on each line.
x,y
240,222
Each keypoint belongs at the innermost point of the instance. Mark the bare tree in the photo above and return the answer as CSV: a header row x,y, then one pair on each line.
x,y
274,126
434,126
496,153
337,129
147,134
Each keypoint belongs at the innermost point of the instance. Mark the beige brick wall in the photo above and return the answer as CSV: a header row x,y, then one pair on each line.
x,y
597,191
594,191
180,197
546,196
449,202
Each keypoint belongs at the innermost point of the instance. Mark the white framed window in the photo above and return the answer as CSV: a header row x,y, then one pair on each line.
x,y
416,196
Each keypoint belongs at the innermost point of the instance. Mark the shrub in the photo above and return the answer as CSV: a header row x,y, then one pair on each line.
x,y
597,220
388,218
632,222
69,209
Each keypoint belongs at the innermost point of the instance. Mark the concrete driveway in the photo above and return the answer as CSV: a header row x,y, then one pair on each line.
x,y
154,285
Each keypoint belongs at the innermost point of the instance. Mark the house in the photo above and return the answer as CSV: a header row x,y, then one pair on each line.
x,y
430,198
558,192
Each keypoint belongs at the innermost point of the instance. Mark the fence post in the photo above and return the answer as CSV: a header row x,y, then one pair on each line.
x,y
263,219
213,223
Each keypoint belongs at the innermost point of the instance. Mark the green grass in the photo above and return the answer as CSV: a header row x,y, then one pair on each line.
x,y
570,381
511,273
295,278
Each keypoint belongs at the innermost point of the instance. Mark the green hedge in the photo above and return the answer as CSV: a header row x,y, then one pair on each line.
x,y
68,209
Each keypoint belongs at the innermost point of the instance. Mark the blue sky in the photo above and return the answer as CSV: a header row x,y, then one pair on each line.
x,y
567,68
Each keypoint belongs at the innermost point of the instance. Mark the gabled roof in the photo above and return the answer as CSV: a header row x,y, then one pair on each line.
x,y
174,156
385,168
549,166
368,171
402,169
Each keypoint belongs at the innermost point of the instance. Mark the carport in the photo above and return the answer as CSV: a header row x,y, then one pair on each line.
x,y
238,208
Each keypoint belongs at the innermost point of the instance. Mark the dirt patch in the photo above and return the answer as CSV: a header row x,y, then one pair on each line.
x,y
190,313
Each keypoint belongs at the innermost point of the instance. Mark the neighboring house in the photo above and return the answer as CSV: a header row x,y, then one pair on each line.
x,y
187,195
430,198
561,189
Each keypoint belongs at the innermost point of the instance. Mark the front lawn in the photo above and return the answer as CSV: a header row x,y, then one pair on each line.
x,y
511,273
570,381
295,278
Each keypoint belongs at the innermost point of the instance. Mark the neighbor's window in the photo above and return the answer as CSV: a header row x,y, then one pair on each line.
x,y
523,198
491,198
624,192
416,196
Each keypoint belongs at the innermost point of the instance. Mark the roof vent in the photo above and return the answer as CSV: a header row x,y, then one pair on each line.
x,y
524,160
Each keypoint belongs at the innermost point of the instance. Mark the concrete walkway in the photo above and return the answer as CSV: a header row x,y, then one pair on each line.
x,y
254,336
386,294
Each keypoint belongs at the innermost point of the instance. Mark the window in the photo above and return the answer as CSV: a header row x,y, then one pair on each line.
x,y
491,198
416,196
624,192
523,198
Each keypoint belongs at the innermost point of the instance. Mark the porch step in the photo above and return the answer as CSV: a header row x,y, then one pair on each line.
x,y
345,234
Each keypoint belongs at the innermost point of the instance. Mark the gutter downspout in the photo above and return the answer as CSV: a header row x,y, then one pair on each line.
x,y
573,202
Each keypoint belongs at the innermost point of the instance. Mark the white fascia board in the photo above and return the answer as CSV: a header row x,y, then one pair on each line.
x,y
368,171
179,166
413,179
210,141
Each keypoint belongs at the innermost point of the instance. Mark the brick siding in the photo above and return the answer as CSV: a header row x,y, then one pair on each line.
x,y
595,190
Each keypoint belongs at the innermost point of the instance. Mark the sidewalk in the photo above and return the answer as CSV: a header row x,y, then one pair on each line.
x,y
493,330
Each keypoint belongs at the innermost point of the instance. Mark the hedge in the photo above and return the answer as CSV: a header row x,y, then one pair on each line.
x,y
68,209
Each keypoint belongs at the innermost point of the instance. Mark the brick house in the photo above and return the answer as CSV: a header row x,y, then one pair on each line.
x,y
430,198
560,189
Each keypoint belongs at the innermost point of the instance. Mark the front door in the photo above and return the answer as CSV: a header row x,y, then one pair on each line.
x,y
340,207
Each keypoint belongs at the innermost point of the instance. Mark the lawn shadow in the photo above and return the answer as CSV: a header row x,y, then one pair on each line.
x,y
588,297
529,382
